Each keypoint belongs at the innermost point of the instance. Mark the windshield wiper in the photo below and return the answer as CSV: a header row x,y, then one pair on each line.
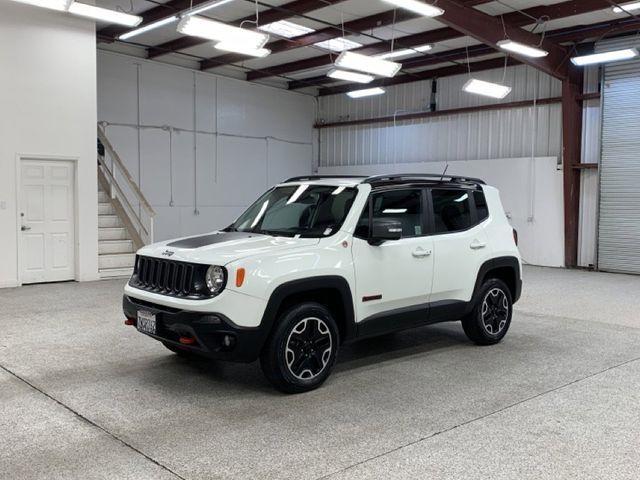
x,y
276,233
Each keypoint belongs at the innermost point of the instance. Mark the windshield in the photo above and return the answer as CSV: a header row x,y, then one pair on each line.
x,y
299,210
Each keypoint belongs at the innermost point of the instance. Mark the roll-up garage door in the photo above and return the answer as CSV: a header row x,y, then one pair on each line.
x,y
619,232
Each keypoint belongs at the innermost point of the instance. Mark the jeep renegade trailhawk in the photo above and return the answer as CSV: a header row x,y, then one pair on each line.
x,y
319,261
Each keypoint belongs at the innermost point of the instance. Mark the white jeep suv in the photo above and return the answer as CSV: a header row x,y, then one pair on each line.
x,y
320,261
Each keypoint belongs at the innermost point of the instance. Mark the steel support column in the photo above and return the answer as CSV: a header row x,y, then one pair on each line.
x,y
571,151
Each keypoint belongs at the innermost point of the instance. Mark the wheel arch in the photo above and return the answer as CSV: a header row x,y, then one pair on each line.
x,y
333,292
506,269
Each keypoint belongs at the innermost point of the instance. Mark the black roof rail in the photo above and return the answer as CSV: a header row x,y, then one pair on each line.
x,y
427,176
320,177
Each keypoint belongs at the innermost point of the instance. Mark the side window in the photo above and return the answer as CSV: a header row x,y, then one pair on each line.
x,y
452,211
481,206
404,206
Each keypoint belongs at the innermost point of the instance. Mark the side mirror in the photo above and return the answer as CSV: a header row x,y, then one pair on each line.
x,y
384,230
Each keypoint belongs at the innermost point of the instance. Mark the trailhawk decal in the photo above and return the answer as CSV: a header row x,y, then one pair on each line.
x,y
204,240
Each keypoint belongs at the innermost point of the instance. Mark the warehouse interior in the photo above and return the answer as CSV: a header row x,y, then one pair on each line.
x,y
122,127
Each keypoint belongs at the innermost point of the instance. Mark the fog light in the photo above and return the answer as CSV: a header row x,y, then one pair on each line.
x,y
129,322
228,341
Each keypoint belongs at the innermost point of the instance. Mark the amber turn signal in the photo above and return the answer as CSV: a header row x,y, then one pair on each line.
x,y
240,277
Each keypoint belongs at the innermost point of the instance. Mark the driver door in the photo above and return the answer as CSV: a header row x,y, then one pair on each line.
x,y
393,279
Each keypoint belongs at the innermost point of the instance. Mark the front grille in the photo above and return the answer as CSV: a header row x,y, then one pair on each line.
x,y
169,277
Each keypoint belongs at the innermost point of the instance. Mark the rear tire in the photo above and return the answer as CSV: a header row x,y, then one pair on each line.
x,y
490,318
302,349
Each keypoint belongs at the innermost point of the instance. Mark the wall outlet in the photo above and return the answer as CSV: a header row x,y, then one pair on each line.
x,y
3,205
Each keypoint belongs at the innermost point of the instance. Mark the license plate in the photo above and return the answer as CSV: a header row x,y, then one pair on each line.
x,y
146,322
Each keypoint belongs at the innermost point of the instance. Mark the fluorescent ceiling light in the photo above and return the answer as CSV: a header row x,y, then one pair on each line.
x,y
522,49
212,30
286,29
613,56
627,8
488,89
146,28
60,5
338,44
206,6
350,76
363,63
368,92
240,48
104,14
418,7
405,52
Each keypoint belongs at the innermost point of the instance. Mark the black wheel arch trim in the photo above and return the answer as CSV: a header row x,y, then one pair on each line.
x,y
501,262
308,285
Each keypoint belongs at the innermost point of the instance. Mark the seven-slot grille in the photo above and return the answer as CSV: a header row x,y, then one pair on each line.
x,y
167,277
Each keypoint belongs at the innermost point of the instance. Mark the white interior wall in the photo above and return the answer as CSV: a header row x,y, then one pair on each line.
x,y
247,137
530,189
48,109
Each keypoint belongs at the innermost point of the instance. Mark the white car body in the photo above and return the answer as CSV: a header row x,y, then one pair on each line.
x,y
432,272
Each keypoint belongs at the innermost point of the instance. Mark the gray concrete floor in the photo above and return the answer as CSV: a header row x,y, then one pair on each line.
x,y
82,396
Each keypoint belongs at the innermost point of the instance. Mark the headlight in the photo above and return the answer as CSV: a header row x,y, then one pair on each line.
x,y
216,279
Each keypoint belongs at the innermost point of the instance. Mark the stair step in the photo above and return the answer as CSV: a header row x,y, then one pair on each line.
x,y
117,233
105,209
116,260
115,272
115,246
109,221
103,197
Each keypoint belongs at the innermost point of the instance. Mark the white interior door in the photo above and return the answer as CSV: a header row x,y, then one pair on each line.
x,y
47,217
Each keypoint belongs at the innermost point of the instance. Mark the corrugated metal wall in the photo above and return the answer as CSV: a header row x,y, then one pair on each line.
x,y
479,135
619,227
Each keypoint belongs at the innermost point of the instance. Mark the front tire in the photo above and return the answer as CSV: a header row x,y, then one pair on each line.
x,y
490,318
300,353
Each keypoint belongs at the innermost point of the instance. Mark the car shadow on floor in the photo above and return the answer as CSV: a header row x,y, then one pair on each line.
x,y
355,356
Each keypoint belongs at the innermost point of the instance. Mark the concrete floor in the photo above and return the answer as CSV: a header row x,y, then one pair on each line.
x,y
82,396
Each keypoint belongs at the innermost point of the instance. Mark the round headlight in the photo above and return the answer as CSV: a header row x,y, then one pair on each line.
x,y
216,279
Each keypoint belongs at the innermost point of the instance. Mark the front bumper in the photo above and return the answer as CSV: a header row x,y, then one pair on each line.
x,y
207,329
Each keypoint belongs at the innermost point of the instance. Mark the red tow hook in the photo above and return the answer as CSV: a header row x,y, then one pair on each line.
x,y
187,340
129,322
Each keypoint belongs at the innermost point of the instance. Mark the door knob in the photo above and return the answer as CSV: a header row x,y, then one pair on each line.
x,y
477,245
24,228
421,253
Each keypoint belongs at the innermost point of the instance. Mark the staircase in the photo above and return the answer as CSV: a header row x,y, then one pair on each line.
x,y
125,220
116,252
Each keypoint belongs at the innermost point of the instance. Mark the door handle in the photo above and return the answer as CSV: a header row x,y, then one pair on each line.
x,y
24,228
477,245
421,253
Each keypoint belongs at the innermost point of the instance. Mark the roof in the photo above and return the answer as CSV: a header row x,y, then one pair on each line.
x,y
390,179
302,62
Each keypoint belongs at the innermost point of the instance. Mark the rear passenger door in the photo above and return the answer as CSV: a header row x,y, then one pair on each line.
x,y
460,243
393,280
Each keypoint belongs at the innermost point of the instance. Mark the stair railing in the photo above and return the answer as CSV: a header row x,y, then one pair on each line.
x,y
125,192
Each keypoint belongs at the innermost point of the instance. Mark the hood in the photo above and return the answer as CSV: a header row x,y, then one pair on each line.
x,y
221,248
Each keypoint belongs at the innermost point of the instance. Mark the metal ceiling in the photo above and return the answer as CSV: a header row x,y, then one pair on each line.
x,y
297,63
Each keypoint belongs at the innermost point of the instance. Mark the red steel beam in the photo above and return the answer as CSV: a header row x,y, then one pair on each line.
x,y
490,30
335,31
572,88
440,113
288,10
576,33
516,19
329,33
